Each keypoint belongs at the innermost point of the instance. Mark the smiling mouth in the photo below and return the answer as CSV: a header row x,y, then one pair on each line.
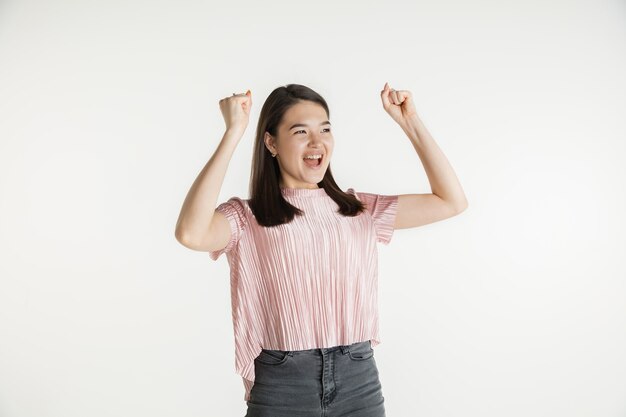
x,y
313,163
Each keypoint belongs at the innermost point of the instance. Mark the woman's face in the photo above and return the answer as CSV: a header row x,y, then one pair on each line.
x,y
304,130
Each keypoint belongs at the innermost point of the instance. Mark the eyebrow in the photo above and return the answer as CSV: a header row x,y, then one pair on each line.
x,y
303,125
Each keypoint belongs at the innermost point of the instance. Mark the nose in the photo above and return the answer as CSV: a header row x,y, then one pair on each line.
x,y
315,140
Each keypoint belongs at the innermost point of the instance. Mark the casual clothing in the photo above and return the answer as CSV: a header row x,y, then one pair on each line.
x,y
311,283
331,382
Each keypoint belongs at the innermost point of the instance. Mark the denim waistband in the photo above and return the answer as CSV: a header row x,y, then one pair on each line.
x,y
343,348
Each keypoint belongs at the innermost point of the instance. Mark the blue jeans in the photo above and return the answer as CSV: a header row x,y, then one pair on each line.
x,y
340,381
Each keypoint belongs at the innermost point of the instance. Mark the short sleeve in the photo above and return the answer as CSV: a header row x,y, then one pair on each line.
x,y
235,212
383,209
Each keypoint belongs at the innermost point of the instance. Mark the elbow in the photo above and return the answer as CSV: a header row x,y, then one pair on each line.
x,y
462,207
459,206
182,237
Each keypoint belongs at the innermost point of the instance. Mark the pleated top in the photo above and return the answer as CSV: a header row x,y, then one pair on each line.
x,y
310,283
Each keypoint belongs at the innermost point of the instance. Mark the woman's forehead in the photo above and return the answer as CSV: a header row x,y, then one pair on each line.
x,y
310,114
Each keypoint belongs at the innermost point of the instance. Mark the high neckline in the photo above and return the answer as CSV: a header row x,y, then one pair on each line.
x,y
303,192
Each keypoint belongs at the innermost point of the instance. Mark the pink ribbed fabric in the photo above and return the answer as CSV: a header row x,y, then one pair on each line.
x,y
310,283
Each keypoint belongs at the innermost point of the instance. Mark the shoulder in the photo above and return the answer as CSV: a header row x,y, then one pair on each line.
x,y
236,203
369,199
382,208
236,210
376,204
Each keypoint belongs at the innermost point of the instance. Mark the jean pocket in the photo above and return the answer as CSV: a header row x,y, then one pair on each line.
x,y
273,357
361,351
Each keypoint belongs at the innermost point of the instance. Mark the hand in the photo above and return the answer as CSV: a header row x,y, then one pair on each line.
x,y
236,110
399,104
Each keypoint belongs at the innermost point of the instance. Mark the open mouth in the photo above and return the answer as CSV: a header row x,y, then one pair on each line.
x,y
313,163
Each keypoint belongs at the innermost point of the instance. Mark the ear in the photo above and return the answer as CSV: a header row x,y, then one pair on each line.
x,y
269,142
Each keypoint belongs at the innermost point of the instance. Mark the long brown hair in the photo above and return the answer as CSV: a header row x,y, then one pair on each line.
x,y
266,200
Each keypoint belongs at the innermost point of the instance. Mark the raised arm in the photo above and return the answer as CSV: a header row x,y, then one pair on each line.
x,y
447,198
199,225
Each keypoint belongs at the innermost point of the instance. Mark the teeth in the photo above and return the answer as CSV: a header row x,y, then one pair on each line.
x,y
313,157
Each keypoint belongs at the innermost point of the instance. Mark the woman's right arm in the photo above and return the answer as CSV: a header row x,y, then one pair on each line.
x,y
199,225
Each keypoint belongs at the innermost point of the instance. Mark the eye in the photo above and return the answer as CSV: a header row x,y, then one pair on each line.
x,y
302,130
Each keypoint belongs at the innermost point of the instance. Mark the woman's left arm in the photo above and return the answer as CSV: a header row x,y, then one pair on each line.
x,y
447,198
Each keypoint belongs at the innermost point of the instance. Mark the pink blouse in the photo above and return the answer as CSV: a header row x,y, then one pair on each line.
x,y
310,283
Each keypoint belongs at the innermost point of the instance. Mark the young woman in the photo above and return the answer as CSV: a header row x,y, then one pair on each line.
x,y
302,252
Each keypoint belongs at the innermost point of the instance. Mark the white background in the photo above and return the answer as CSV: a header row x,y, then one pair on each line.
x,y
109,110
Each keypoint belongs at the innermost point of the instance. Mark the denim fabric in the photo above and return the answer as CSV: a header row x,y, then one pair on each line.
x,y
340,381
